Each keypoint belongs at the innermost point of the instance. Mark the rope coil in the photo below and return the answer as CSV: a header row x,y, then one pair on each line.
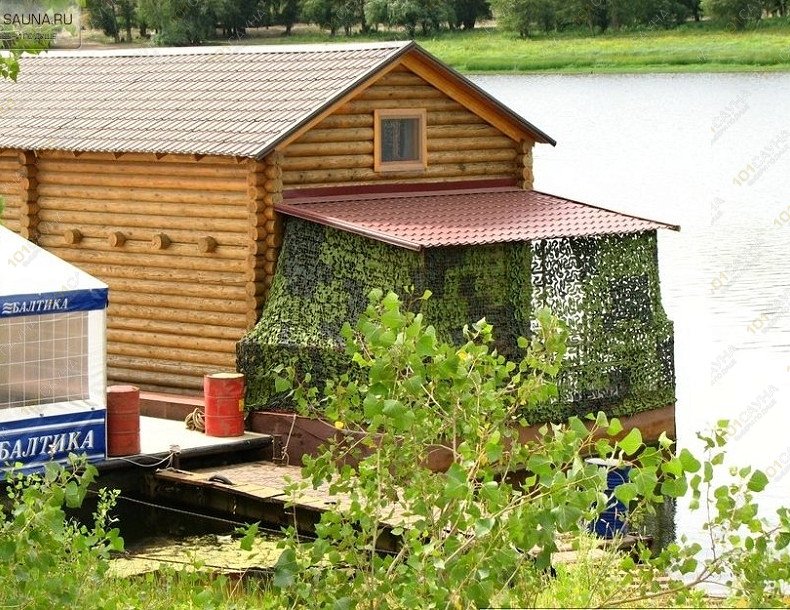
x,y
196,420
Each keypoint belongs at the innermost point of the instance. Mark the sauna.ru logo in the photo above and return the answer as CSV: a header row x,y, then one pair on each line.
x,y
29,24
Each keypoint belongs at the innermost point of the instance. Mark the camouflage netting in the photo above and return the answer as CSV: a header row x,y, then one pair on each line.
x,y
621,348
606,289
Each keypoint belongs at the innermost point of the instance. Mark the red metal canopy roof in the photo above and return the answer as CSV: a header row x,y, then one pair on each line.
x,y
464,218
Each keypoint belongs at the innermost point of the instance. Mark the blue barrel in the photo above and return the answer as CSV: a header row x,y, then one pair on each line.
x,y
612,521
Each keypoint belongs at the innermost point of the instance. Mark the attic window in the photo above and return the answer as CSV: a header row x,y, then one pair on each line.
x,y
400,140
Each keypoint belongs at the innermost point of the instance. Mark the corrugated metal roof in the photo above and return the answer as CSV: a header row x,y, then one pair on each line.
x,y
232,100
206,100
419,220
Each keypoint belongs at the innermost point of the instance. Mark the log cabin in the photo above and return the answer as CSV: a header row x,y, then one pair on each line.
x,y
168,173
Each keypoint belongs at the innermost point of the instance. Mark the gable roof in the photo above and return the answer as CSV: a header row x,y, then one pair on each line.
x,y
233,100
421,220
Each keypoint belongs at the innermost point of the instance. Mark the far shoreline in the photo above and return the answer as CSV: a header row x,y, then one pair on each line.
x,y
693,48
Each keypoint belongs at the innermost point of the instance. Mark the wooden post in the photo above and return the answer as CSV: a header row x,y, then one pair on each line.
x,y
28,196
265,190
524,164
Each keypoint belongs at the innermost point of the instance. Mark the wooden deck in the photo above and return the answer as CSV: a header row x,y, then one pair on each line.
x,y
256,491
259,480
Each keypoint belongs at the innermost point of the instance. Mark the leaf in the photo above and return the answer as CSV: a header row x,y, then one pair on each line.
x,y
758,481
664,441
625,492
708,472
250,533
615,427
7,550
673,466
426,345
281,384
689,462
483,526
631,443
494,447
457,484
73,496
674,488
343,603
577,425
285,569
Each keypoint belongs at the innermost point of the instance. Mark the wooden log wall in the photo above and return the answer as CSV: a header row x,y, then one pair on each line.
x,y
170,237
265,190
461,145
11,188
525,176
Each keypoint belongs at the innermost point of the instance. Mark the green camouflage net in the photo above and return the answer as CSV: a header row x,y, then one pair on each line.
x,y
605,289
620,347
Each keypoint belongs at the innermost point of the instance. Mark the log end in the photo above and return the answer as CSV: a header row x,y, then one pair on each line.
x,y
116,239
160,241
206,244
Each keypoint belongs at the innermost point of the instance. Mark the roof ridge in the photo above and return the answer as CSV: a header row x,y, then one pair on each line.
x,y
260,49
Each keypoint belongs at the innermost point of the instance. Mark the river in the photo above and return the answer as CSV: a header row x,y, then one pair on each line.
x,y
710,152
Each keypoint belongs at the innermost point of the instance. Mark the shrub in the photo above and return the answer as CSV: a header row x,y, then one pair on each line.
x,y
479,534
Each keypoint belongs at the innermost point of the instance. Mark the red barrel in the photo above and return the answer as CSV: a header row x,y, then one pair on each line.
x,y
224,396
123,420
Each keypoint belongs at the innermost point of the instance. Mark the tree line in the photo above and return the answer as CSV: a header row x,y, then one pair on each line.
x,y
184,22
527,16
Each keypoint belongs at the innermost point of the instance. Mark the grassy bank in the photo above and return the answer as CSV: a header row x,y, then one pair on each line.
x,y
694,47
682,50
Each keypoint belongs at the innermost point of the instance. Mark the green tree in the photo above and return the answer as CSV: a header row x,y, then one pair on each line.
x,y
127,10
179,22
103,15
695,8
324,13
377,13
466,13
428,15
285,13
662,13
152,13
50,560
235,16
593,14
737,14
522,16
777,7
